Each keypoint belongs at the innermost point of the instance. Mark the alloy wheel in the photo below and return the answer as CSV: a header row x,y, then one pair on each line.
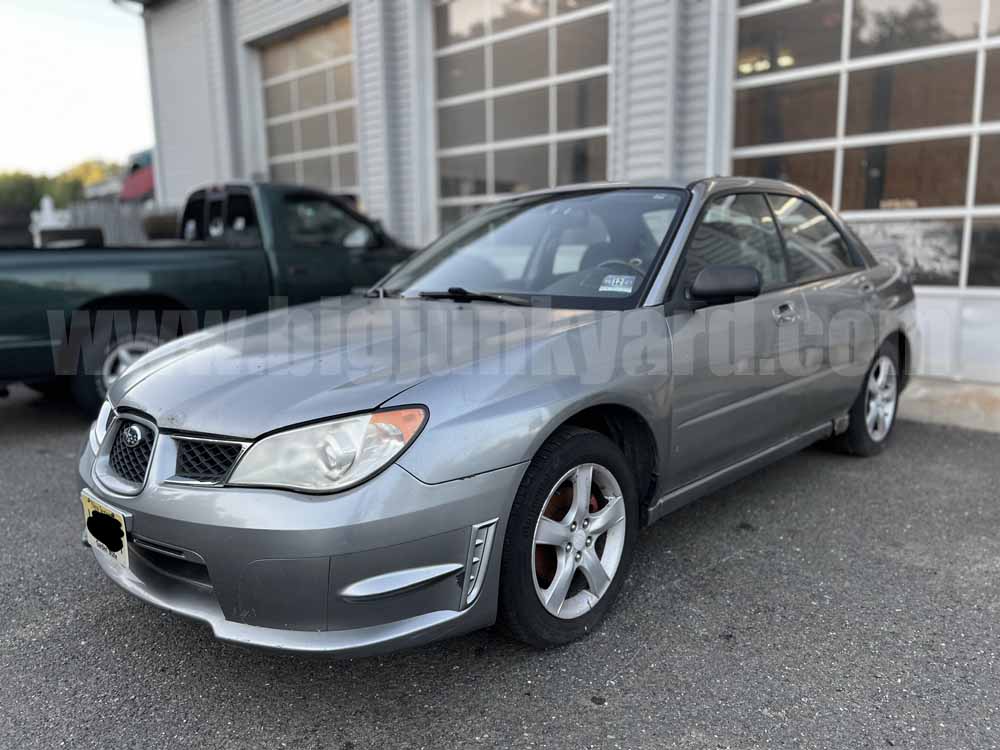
x,y
121,357
579,540
880,404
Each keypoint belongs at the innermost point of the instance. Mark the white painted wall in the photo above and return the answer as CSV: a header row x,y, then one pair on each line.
x,y
187,137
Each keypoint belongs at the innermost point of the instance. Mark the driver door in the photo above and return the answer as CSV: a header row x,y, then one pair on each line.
x,y
731,362
330,251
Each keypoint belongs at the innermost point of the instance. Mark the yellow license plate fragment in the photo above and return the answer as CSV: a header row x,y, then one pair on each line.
x,y
105,528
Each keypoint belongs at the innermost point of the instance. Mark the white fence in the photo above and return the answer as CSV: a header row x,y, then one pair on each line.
x,y
120,222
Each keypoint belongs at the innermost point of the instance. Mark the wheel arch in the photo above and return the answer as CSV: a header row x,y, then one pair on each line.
x,y
904,350
144,302
632,433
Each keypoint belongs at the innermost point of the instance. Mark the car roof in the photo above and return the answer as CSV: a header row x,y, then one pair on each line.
x,y
709,185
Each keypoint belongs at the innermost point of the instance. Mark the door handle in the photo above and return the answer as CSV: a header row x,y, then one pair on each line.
x,y
295,271
785,313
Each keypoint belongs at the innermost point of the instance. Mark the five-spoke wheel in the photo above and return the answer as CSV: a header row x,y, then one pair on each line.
x,y
579,540
880,408
570,537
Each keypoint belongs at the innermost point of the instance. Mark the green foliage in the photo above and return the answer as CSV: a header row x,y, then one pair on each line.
x,y
21,192
91,172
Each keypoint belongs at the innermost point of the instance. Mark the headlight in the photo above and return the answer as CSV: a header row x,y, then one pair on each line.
x,y
329,456
99,430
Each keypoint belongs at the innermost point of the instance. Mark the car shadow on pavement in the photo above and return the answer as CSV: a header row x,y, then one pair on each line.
x,y
25,414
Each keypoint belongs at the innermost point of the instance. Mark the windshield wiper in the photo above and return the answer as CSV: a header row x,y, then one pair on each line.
x,y
464,295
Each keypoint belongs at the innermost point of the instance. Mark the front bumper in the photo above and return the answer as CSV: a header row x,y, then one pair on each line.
x,y
384,566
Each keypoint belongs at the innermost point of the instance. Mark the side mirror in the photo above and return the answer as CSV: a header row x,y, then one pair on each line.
x,y
720,284
378,236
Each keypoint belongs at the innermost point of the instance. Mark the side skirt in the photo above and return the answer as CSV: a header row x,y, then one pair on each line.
x,y
683,495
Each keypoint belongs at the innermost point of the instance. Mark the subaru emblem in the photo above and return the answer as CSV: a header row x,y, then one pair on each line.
x,y
132,436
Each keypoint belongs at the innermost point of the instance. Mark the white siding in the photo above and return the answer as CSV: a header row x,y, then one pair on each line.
x,y
410,96
704,92
367,20
643,70
187,151
691,113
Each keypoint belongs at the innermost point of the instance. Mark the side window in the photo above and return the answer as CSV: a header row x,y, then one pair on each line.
x,y
216,224
737,230
193,221
315,221
814,245
241,220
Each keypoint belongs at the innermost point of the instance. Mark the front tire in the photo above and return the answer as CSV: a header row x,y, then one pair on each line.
x,y
570,539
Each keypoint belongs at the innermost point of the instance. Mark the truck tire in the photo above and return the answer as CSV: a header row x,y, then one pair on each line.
x,y
89,389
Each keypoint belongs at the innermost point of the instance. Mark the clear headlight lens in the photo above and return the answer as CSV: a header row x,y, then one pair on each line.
x,y
329,456
99,430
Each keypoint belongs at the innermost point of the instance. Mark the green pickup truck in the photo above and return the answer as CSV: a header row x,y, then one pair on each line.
x,y
241,245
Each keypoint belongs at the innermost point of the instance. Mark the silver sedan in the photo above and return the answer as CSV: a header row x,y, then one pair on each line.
x,y
484,434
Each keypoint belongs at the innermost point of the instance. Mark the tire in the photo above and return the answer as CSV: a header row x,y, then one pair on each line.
x,y
531,570
89,389
873,414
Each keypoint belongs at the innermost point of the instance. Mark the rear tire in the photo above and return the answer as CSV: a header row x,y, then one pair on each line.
x,y
563,561
873,414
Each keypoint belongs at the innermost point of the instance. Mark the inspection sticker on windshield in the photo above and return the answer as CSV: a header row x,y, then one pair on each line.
x,y
620,284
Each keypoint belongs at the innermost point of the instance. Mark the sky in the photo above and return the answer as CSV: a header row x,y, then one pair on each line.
x,y
73,84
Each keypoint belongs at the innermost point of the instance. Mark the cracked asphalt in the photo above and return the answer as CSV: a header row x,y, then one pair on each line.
x,y
825,602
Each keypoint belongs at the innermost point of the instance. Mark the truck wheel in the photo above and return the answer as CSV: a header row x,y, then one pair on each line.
x,y
569,540
89,389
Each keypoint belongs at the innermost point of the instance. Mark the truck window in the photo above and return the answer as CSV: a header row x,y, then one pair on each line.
x,y
216,224
193,221
241,221
317,221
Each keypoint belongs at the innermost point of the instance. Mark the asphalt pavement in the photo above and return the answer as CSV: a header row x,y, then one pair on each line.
x,y
825,602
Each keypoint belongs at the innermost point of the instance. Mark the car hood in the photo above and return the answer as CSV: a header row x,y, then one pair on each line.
x,y
300,364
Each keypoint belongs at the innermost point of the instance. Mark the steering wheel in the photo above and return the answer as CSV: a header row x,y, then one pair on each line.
x,y
621,264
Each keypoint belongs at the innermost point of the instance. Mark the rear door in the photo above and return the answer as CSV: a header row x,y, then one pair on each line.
x,y
734,364
841,311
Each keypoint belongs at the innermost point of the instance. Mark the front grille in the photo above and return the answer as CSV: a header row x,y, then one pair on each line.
x,y
131,461
206,460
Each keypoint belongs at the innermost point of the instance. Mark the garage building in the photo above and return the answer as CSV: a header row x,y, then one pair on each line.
x,y
427,109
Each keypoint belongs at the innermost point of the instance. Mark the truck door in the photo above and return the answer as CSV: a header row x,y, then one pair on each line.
x,y
330,251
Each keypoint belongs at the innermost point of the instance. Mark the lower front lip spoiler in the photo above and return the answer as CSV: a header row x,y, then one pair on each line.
x,y
201,605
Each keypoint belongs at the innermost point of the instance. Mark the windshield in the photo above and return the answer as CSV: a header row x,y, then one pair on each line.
x,y
585,250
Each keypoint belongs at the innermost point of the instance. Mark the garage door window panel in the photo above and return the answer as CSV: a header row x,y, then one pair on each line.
x,y
309,106
522,95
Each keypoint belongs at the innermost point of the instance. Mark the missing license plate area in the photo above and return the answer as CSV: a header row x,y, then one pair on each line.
x,y
105,529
